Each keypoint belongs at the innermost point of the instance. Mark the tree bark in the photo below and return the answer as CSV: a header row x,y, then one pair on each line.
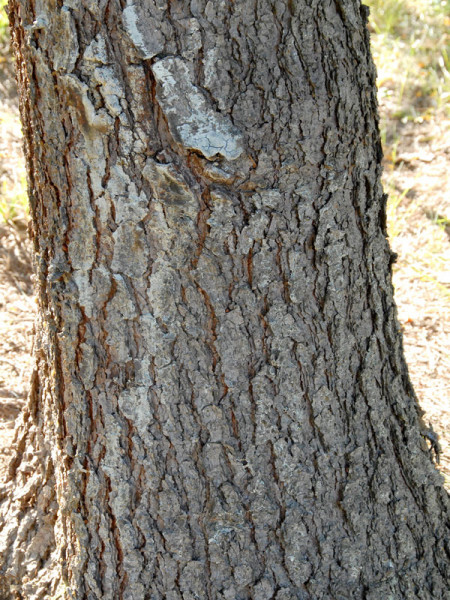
x,y
220,406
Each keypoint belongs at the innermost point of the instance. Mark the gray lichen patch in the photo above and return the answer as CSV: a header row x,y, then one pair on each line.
x,y
122,301
82,234
233,346
130,250
143,31
85,291
88,365
221,219
164,290
135,407
217,77
96,52
110,89
268,199
193,122
192,38
253,231
65,49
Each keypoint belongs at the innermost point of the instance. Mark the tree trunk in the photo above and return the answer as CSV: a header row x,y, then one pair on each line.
x,y
220,407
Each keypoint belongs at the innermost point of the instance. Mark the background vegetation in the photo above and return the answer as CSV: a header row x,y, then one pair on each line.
x,y
13,198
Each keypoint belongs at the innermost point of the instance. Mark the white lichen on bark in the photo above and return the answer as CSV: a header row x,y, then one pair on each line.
x,y
145,36
192,121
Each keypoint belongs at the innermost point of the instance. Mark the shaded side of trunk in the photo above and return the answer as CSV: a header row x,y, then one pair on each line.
x,y
220,406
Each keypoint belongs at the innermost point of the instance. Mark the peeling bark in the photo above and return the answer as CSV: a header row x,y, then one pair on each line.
x,y
220,406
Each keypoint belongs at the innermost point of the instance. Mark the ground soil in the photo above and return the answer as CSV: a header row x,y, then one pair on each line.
x,y
419,175
16,331
16,289
421,238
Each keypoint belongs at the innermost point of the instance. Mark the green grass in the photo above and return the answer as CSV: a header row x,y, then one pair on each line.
x,y
396,223
13,200
13,194
4,24
411,47
386,17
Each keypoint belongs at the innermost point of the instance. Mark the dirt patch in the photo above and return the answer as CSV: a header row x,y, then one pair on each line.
x,y
419,183
17,309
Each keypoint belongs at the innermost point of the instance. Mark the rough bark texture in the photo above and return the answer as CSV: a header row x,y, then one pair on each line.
x,y
220,407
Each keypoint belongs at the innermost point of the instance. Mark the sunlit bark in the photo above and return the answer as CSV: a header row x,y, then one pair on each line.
x,y
220,407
